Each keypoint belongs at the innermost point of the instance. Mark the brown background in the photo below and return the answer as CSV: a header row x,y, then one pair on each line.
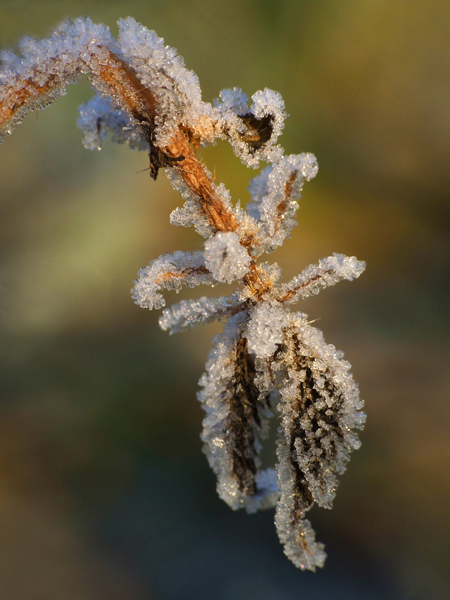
x,y
104,490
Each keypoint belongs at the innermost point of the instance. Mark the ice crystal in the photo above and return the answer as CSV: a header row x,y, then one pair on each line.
x,y
268,360
265,329
194,312
99,116
225,258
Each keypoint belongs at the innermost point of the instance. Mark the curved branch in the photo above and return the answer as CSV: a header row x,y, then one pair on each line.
x,y
49,66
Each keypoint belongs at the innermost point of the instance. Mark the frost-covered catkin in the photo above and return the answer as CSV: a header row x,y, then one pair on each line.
x,y
295,532
267,361
319,408
236,417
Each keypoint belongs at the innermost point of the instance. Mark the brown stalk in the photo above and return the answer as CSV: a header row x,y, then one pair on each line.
x,y
140,102
142,105
288,295
173,275
282,207
124,86
196,178
20,97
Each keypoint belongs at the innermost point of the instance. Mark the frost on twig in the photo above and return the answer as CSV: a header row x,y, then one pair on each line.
x,y
275,192
169,272
189,313
267,360
326,273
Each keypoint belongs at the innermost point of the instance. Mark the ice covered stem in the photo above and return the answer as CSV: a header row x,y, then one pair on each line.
x,y
48,66
267,359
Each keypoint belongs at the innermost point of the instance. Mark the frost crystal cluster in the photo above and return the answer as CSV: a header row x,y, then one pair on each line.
x,y
268,359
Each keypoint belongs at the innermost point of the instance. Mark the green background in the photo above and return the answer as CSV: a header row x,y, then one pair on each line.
x,y
104,490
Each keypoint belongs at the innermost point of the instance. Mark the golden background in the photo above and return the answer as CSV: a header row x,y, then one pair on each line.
x,y
104,491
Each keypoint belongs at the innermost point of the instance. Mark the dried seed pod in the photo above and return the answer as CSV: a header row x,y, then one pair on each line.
x,y
236,419
319,407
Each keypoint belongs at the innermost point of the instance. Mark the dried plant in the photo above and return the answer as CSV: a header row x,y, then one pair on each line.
x,y
267,359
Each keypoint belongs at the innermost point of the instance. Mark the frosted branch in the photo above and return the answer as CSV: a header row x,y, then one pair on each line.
x,y
169,272
154,88
274,193
189,313
266,356
327,272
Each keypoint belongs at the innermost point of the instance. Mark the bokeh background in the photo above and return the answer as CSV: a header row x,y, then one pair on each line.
x,y
104,491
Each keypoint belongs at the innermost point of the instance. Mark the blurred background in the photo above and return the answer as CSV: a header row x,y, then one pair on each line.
x,y
105,493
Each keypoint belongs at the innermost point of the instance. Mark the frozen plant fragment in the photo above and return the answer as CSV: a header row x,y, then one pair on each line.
x,y
189,313
267,360
265,329
225,258
170,272
99,116
275,193
236,416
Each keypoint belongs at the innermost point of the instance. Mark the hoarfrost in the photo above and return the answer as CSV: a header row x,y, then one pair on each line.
x,y
232,100
236,419
189,313
267,358
265,329
226,258
170,272
99,116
